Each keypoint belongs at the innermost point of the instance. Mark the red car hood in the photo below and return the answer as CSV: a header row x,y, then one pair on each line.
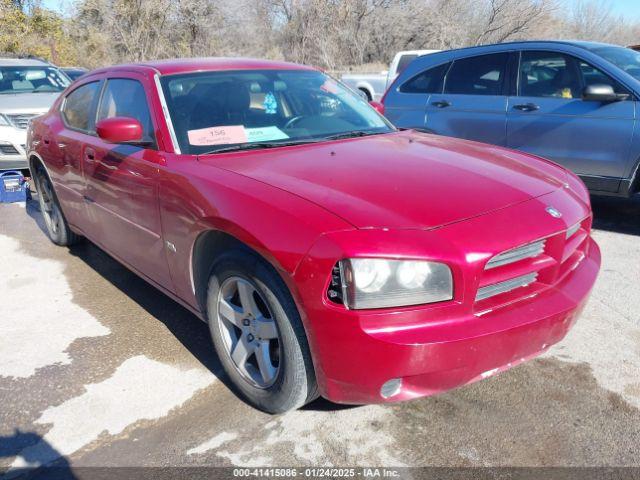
x,y
399,180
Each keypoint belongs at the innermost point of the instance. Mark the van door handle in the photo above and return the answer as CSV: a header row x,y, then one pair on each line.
x,y
527,107
441,104
89,155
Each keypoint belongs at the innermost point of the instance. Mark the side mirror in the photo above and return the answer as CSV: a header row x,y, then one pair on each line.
x,y
119,130
602,93
377,106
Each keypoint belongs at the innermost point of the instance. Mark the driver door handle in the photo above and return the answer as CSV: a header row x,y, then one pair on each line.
x,y
441,104
527,107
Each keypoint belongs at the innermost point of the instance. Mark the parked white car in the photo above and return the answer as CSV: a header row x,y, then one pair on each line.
x,y
28,88
373,85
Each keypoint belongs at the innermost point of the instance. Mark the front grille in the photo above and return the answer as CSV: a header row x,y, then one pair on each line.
x,y
511,256
506,286
7,149
21,120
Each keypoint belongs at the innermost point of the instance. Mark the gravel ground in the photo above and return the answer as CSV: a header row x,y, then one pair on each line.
x,y
97,368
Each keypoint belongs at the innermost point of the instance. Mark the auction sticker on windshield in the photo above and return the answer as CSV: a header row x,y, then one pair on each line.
x,y
265,134
229,134
222,135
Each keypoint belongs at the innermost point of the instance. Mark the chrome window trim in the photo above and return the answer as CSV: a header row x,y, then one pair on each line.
x,y
165,112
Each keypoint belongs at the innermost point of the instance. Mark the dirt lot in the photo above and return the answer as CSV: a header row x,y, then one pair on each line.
x,y
97,368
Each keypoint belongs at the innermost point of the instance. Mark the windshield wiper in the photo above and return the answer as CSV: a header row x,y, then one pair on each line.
x,y
258,145
352,134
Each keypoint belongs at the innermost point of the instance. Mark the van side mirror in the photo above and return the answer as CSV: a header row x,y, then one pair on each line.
x,y
602,93
120,130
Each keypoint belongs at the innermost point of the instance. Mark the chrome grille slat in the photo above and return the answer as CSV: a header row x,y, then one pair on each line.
x,y
515,255
21,120
506,286
573,230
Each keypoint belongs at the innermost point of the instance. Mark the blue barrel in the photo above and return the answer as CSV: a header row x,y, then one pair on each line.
x,y
13,187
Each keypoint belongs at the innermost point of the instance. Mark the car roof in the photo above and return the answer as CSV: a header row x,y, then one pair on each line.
x,y
22,62
188,65
525,43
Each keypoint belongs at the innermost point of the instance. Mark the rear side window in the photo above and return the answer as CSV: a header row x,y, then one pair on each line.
x,y
125,97
429,81
483,75
78,107
404,62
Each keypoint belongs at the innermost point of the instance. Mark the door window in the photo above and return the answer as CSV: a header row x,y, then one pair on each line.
x,y
429,81
483,75
593,76
78,106
124,97
549,74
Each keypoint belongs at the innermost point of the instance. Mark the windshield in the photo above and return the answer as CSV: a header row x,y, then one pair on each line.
x,y
213,111
17,79
624,58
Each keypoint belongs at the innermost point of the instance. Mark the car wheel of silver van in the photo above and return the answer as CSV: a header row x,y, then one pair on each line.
x,y
258,334
57,227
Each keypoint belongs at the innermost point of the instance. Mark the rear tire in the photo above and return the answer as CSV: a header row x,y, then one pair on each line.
x,y
57,226
258,334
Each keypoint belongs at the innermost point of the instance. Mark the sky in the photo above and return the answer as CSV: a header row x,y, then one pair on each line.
x,y
630,8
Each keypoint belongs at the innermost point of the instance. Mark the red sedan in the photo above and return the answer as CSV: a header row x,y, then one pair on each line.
x,y
330,253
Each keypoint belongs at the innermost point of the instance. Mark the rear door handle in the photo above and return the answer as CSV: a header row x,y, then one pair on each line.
x,y
527,107
441,104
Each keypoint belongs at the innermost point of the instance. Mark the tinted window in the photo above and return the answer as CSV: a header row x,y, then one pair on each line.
x,y
78,107
404,62
126,98
429,81
483,75
593,76
549,74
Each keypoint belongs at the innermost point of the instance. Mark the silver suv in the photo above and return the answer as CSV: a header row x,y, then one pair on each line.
x,y
28,87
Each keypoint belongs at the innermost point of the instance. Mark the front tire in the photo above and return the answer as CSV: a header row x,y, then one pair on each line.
x,y
57,226
258,334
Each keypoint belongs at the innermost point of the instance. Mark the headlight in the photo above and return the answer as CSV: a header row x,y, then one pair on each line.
x,y
380,283
4,121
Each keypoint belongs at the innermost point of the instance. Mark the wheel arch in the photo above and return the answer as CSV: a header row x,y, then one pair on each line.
x,y
207,248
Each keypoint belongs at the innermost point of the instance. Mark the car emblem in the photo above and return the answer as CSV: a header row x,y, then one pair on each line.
x,y
553,212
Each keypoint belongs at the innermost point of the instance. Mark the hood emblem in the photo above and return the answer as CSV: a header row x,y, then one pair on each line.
x,y
553,212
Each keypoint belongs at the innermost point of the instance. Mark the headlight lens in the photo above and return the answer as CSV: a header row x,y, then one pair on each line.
x,y
380,283
4,121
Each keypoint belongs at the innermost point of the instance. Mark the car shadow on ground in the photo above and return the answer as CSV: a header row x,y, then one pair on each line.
x,y
18,444
191,332
619,215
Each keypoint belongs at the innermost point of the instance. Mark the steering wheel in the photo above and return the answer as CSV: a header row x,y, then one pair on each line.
x,y
293,121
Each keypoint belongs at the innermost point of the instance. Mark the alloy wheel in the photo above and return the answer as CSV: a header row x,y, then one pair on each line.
x,y
48,206
249,331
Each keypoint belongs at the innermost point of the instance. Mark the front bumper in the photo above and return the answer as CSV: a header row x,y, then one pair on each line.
x,y
12,149
436,347
13,162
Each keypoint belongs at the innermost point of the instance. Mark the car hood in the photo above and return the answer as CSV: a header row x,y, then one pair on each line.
x,y
400,180
27,102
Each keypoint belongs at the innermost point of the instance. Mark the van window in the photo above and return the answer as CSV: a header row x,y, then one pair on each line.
x,y
482,75
429,81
